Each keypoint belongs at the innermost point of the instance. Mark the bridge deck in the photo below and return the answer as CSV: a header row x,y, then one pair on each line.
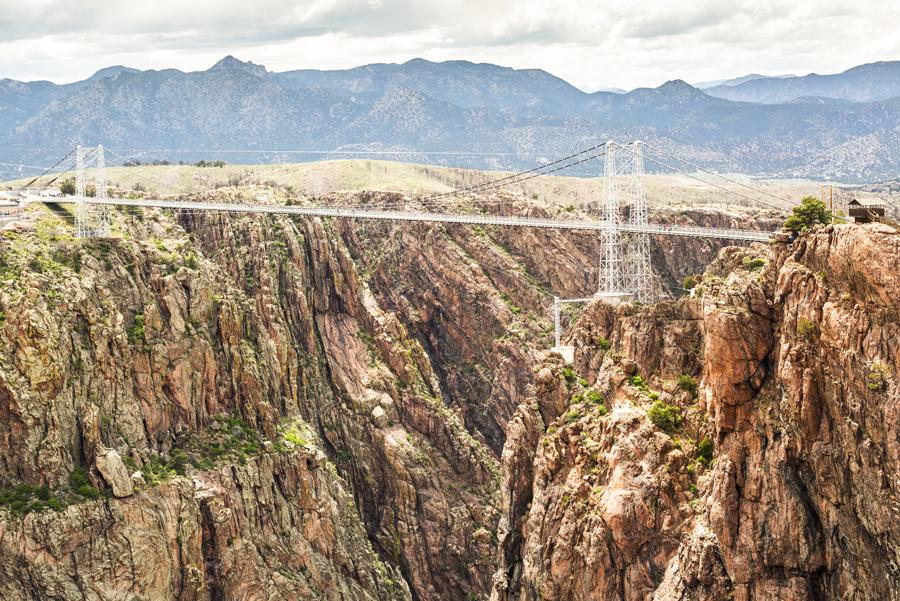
x,y
474,219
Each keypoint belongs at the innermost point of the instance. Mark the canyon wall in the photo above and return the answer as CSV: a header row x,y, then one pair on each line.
x,y
210,406
740,444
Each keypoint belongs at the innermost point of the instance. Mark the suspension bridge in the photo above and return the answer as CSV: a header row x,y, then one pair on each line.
x,y
625,270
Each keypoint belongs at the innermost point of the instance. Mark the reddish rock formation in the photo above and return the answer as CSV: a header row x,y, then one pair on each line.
x,y
226,407
798,363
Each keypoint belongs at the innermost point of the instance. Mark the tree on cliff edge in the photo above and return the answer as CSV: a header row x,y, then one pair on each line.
x,y
811,211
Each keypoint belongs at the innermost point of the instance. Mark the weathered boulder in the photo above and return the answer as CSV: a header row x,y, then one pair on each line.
x,y
110,466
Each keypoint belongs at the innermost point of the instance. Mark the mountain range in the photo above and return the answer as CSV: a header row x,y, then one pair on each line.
x,y
844,126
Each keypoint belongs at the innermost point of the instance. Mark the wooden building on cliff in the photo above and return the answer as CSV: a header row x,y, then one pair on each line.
x,y
865,210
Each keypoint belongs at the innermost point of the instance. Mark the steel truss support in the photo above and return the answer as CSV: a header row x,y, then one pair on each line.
x,y
625,271
91,220
638,269
612,274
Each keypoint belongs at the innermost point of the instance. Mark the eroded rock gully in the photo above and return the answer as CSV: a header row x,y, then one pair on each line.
x,y
367,411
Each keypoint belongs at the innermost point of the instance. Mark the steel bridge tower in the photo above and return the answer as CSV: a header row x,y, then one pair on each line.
x,y
91,220
612,274
638,270
625,271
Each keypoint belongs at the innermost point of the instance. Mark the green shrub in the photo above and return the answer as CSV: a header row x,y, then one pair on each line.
x,y
877,377
136,331
596,399
88,492
570,375
638,382
806,328
705,450
604,344
81,484
67,186
810,212
665,417
25,498
687,382
689,283
753,264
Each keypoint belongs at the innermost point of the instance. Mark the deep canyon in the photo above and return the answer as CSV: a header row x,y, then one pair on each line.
x,y
217,407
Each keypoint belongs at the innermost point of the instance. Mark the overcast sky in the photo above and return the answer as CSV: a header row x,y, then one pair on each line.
x,y
592,44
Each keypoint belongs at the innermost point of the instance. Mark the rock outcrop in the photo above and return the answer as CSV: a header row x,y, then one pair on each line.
x,y
747,445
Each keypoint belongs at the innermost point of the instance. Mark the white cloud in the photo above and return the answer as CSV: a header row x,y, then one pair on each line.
x,y
591,43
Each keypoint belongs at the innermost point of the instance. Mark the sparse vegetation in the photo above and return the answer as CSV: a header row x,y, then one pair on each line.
x,y
810,212
753,264
25,498
689,282
638,382
136,330
665,417
506,299
67,186
81,484
572,416
688,383
876,379
806,328
705,451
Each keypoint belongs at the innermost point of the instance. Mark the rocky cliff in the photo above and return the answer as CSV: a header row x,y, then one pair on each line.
x,y
217,407
739,444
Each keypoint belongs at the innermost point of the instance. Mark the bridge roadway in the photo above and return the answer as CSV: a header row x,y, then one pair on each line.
x,y
474,219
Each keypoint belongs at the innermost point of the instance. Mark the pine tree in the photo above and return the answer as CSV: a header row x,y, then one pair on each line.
x,y
810,212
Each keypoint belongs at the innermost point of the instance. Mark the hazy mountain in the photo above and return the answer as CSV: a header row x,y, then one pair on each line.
x,y
865,83
524,116
704,85
112,72
465,84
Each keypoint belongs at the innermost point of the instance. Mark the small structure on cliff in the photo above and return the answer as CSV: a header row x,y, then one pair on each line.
x,y
865,210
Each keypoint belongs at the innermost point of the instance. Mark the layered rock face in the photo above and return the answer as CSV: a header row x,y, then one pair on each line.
x,y
223,407
740,444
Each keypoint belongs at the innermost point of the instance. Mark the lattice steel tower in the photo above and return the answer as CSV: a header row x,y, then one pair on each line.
x,y
612,275
91,220
638,269
625,275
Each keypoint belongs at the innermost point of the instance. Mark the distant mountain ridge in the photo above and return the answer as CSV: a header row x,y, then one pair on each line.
x,y
705,85
865,83
508,118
